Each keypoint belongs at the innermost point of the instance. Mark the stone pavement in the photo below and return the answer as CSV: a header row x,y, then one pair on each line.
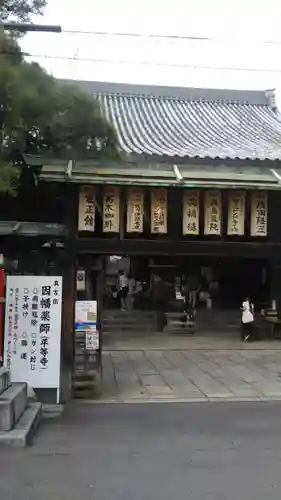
x,y
252,373
211,451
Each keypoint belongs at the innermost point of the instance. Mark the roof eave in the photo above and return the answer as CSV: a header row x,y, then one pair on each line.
x,y
165,176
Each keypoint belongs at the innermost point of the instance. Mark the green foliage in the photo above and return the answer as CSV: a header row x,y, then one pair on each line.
x,y
78,125
43,116
39,115
9,177
21,10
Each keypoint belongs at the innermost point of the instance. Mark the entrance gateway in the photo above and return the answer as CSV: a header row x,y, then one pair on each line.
x,y
197,193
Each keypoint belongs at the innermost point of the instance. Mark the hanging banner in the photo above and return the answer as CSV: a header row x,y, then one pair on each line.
x,y
158,209
111,208
33,330
236,213
86,209
135,210
190,212
259,213
212,224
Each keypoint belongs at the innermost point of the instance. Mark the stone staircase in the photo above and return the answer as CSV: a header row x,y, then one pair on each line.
x,y
18,418
213,321
135,322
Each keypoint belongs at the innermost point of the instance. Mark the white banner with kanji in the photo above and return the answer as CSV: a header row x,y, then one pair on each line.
x,y
236,213
111,209
190,212
212,214
135,210
159,209
32,338
259,213
86,209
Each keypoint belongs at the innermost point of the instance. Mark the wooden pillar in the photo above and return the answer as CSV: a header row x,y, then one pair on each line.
x,y
274,232
275,288
122,206
69,290
99,294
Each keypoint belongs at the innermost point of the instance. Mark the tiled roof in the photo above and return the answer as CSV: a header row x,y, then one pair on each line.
x,y
191,123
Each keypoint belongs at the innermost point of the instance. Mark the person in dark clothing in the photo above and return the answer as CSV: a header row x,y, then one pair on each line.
x,y
191,291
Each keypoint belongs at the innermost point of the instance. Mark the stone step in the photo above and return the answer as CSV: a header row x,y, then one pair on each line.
x,y
128,321
131,314
87,384
54,410
85,394
5,379
180,331
23,432
13,402
80,374
132,325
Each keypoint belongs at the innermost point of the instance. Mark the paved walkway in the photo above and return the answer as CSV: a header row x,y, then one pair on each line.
x,y
225,451
252,373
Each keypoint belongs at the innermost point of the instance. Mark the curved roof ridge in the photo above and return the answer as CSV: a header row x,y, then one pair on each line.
x,y
259,97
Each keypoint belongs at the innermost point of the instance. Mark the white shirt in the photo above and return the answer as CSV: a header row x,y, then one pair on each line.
x,y
123,281
247,312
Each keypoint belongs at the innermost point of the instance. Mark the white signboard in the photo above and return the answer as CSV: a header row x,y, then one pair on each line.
x,y
85,311
111,208
33,330
212,213
86,210
190,212
92,339
135,209
259,213
158,211
236,213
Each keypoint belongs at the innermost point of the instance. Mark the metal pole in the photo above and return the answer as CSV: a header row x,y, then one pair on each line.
x,y
23,27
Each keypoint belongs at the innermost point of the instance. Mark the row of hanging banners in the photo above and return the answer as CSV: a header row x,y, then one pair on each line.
x,y
159,211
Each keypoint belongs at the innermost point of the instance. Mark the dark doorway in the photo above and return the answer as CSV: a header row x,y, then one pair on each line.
x,y
239,278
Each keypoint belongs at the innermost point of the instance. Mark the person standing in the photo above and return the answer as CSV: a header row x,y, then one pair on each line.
x,y
123,287
131,292
193,290
247,320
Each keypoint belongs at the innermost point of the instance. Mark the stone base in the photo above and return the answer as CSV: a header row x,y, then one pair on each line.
x,y
5,379
24,430
13,402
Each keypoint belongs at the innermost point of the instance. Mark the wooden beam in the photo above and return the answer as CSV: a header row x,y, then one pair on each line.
x,y
261,249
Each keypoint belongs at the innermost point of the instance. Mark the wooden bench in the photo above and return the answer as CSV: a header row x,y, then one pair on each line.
x,y
275,323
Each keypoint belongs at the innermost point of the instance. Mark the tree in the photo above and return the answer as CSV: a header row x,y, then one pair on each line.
x,y
39,115
12,10
43,116
21,10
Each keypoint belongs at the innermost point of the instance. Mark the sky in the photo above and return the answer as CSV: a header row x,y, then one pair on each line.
x,y
237,29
